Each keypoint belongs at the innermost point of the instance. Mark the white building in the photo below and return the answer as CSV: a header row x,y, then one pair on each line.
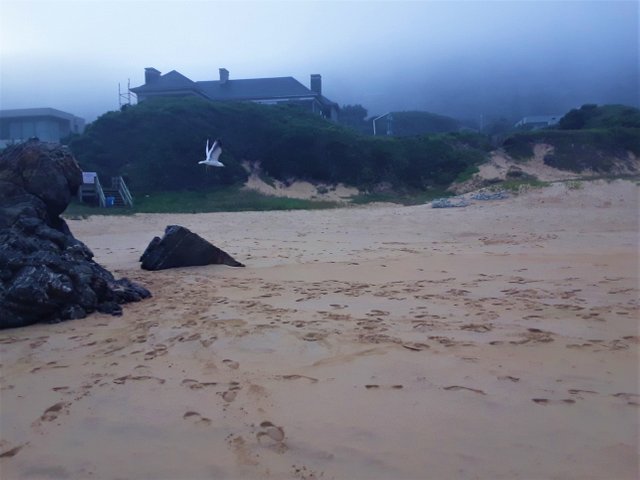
x,y
47,124
538,121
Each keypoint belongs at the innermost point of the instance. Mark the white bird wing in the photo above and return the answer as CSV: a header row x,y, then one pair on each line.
x,y
215,151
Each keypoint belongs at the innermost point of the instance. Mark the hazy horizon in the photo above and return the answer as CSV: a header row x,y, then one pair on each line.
x,y
462,59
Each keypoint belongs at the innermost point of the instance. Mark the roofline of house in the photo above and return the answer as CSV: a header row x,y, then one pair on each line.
x,y
38,112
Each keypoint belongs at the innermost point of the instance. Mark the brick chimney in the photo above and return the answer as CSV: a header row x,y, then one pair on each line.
x,y
224,75
316,83
151,75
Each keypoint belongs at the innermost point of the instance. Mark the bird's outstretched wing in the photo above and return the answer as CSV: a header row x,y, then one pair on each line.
x,y
215,151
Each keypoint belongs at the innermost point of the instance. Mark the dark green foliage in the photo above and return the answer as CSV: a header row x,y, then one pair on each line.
x,y
598,150
605,116
354,116
156,145
409,123
592,137
419,123
577,118
519,146
498,126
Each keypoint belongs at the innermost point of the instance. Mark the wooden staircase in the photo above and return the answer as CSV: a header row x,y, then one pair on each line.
x,y
115,196
112,193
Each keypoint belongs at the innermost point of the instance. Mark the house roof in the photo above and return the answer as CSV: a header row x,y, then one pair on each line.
x,y
169,81
38,112
254,88
540,119
241,89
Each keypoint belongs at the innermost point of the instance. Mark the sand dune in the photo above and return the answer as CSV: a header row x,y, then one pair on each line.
x,y
494,341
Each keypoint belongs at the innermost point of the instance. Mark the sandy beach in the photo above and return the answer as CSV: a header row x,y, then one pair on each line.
x,y
496,341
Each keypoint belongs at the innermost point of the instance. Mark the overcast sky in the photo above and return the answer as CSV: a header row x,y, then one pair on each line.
x,y
464,59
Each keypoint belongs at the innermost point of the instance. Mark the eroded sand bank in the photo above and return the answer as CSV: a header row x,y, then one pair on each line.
x,y
494,341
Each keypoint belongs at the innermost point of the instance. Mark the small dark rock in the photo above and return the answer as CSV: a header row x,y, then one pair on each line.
x,y
179,247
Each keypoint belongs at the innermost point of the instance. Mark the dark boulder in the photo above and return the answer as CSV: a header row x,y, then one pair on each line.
x,y
47,275
179,247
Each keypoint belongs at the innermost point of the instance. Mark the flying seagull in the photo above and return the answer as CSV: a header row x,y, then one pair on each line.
x,y
213,154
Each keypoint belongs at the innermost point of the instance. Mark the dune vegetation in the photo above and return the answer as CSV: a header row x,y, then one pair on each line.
x,y
156,145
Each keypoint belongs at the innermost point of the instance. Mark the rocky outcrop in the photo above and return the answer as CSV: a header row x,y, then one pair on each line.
x,y
179,247
47,275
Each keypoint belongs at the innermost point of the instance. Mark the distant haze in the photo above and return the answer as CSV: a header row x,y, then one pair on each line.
x,y
464,59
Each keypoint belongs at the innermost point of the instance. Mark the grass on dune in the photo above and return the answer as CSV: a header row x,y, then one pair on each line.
x,y
228,199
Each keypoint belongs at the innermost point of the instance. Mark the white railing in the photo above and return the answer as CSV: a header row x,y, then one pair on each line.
x,y
99,192
118,184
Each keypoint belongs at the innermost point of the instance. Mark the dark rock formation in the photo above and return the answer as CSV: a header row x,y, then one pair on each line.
x,y
46,275
179,247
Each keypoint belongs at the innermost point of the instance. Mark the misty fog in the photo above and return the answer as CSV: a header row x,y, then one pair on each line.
x,y
463,59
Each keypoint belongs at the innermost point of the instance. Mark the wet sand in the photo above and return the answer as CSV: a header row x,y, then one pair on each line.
x,y
494,341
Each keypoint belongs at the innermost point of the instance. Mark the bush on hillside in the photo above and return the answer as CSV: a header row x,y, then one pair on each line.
x,y
157,145
606,116
593,137
418,123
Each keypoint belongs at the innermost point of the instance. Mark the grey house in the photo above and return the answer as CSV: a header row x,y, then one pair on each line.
x,y
48,124
261,90
538,121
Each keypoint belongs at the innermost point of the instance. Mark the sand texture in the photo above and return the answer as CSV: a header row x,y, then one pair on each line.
x,y
496,341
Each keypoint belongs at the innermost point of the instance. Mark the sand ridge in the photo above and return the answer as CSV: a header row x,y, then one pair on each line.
x,y
495,341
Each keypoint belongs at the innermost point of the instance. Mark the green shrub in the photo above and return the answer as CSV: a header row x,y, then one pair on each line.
x,y
592,137
156,146
606,116
519,146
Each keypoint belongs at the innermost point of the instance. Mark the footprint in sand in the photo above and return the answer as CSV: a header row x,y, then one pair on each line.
x,y
157,351
229,395
123,380
477,327
546,401
415,347
10,340
631,398
196,418
40,341
51,413
271,431
576,391
450,342
231,363
458,387
12,452
60,389
376,386
206,342
190,338
313,336
297,377
534,335
196,385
